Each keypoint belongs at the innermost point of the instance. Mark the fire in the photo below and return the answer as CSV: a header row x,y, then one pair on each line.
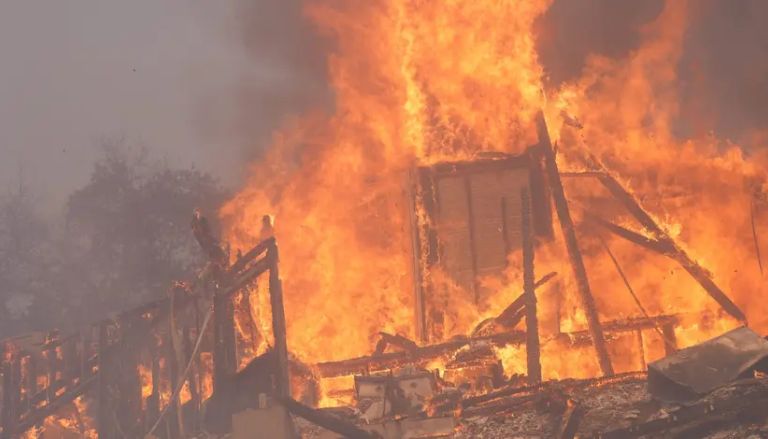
x,y
421,82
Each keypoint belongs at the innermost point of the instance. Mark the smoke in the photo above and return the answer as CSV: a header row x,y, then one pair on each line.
x,y
571,31
724,70
722,74
291,60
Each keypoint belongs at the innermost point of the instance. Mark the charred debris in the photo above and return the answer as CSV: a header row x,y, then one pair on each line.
x,y
174,368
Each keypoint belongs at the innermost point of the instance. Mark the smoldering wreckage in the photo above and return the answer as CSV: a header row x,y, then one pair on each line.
x,y
188,365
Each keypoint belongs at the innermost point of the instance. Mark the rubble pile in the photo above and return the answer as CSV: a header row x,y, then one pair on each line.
x,y
618,408
727,372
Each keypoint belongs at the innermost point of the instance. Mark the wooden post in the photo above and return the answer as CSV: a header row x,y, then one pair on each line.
x,y
70,368
670,339
192,378
532,347
51,362
153,402
574,253
31,383
85,353
103,423
224,363
172,417
126,380
641,349
282,382
11,396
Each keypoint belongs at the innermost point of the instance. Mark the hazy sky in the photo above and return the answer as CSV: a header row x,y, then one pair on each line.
x,y
171,75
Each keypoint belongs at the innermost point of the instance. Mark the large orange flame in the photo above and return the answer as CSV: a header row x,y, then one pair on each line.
x,y
427,81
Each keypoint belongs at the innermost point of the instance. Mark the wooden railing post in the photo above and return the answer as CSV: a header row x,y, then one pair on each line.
x,y
11,396
224,349
103,422
278,324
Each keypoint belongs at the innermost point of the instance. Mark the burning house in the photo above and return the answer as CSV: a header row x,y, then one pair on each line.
x,y
463,252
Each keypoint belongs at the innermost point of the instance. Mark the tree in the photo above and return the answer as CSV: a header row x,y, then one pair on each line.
x,y
128,229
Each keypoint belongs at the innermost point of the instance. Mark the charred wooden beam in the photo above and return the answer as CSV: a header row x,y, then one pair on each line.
x,y
254,253
425,353
562,385
572,417
574,253
246,277
532,346
325,420
514,313
701,275
631,236
394,359
502,405
282,382
583,338
394,340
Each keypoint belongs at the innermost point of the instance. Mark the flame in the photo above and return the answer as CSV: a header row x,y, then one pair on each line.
x,y
421,82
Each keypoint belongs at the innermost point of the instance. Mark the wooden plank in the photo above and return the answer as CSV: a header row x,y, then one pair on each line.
x,y
325,420
282,381
532,346
574,253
